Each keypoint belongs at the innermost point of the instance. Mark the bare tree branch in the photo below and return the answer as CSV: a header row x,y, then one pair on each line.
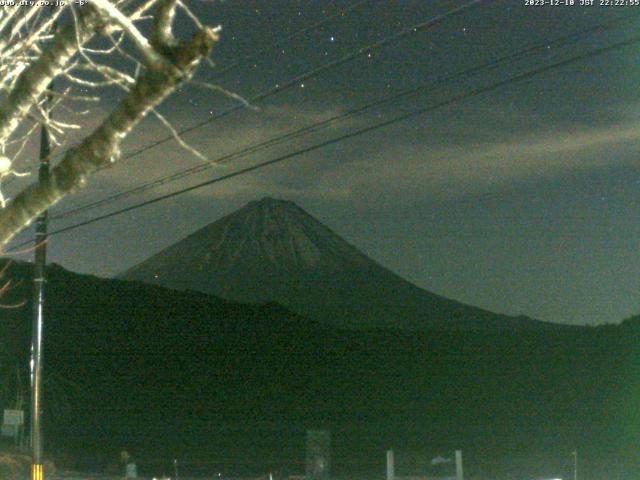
x,y
103,146
152,58
34,51
35,79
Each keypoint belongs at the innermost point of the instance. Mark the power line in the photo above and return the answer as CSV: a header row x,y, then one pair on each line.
x,y
279,88
433,21
275,140
452,100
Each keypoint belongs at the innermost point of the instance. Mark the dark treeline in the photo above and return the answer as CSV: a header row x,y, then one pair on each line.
x,y
233,387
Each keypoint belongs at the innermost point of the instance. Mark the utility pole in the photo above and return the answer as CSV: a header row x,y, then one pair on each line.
x,y
575,464
39,280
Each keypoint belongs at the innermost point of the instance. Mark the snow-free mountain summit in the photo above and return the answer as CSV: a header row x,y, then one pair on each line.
x,y
272,250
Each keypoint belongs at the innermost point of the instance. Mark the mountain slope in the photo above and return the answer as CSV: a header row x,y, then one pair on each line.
x,y
272,250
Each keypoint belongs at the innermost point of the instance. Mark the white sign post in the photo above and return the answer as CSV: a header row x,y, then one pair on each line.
x,y
459,471
13,417
391,475
11,423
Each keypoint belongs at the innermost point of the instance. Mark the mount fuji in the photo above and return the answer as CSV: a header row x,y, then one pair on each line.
x,y
273,251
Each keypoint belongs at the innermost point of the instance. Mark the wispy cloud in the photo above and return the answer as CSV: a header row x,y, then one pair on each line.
x,y
406,168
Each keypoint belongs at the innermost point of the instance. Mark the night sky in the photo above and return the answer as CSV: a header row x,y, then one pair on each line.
x,y
523,200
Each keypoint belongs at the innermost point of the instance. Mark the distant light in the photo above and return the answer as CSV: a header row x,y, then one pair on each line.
x,y
332,38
